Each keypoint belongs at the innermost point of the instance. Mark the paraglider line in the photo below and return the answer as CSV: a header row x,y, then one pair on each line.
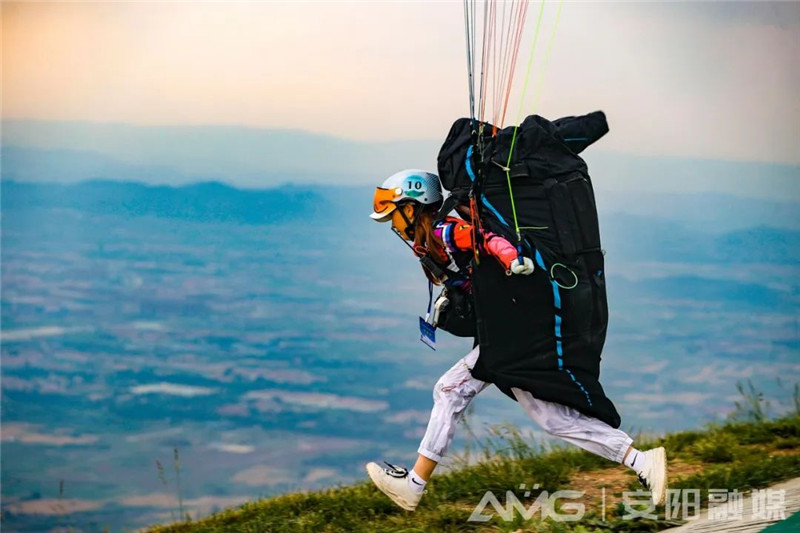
x,y
538,91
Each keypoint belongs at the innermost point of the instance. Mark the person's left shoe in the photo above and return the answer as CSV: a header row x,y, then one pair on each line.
x,y
393,482
654,475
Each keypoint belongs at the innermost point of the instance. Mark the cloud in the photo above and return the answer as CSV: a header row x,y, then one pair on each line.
x,y
410,416
238,449
419,384
50,384
155,435
144,325
201,505
654,367
275,398
53,506
172,389
262,476
299,377
318,474
681,398
37,333
28,434
720,374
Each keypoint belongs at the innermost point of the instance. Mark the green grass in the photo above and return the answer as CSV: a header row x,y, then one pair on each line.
x,y
748,472
745,453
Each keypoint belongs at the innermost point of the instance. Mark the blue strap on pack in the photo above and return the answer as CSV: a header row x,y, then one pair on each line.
x,y
426,329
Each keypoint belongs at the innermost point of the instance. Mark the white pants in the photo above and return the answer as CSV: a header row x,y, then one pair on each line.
x,y
456,388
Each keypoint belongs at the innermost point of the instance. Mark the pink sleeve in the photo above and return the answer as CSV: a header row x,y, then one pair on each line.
x,y
500,248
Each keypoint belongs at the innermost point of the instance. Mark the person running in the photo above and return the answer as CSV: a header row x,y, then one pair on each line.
x,y
410,200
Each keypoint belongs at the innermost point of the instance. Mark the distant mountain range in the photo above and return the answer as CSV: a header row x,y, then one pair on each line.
x,y
687,241
733,294
706,212
258,158
208,201
685,237
246,157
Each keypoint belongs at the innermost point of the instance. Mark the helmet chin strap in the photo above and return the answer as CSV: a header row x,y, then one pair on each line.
x,y
405,241
427,263
409,231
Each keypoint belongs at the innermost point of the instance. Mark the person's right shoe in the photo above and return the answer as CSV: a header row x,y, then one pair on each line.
x,y
654,475
393,482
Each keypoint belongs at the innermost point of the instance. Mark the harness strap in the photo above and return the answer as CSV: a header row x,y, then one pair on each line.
x,y
475,206
430,298
450,203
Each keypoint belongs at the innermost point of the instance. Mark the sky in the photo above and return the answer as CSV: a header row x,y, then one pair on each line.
x,y
713,80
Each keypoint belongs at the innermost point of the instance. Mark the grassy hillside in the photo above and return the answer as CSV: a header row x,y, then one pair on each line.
x,y
744,453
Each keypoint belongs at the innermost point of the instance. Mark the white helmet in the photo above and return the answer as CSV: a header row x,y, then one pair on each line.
x,y
414,185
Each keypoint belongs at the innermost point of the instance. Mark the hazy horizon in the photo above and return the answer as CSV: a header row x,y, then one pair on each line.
x,y
250,157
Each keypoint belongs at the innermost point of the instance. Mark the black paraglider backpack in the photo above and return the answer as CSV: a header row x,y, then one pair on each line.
x,y
544,181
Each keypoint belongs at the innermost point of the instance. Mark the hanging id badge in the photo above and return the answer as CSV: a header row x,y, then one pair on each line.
x,y
426,329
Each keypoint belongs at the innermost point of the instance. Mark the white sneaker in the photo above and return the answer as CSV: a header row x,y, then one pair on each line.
x,y
393,482
654,475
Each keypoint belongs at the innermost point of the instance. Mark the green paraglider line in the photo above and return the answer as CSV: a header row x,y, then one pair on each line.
x,y
522,100
469,30
538,92
527,76
516,127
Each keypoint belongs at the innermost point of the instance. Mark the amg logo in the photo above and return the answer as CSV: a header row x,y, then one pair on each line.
x,y
544,501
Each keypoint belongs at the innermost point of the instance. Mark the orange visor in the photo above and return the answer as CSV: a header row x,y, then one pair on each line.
x,y
383,202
